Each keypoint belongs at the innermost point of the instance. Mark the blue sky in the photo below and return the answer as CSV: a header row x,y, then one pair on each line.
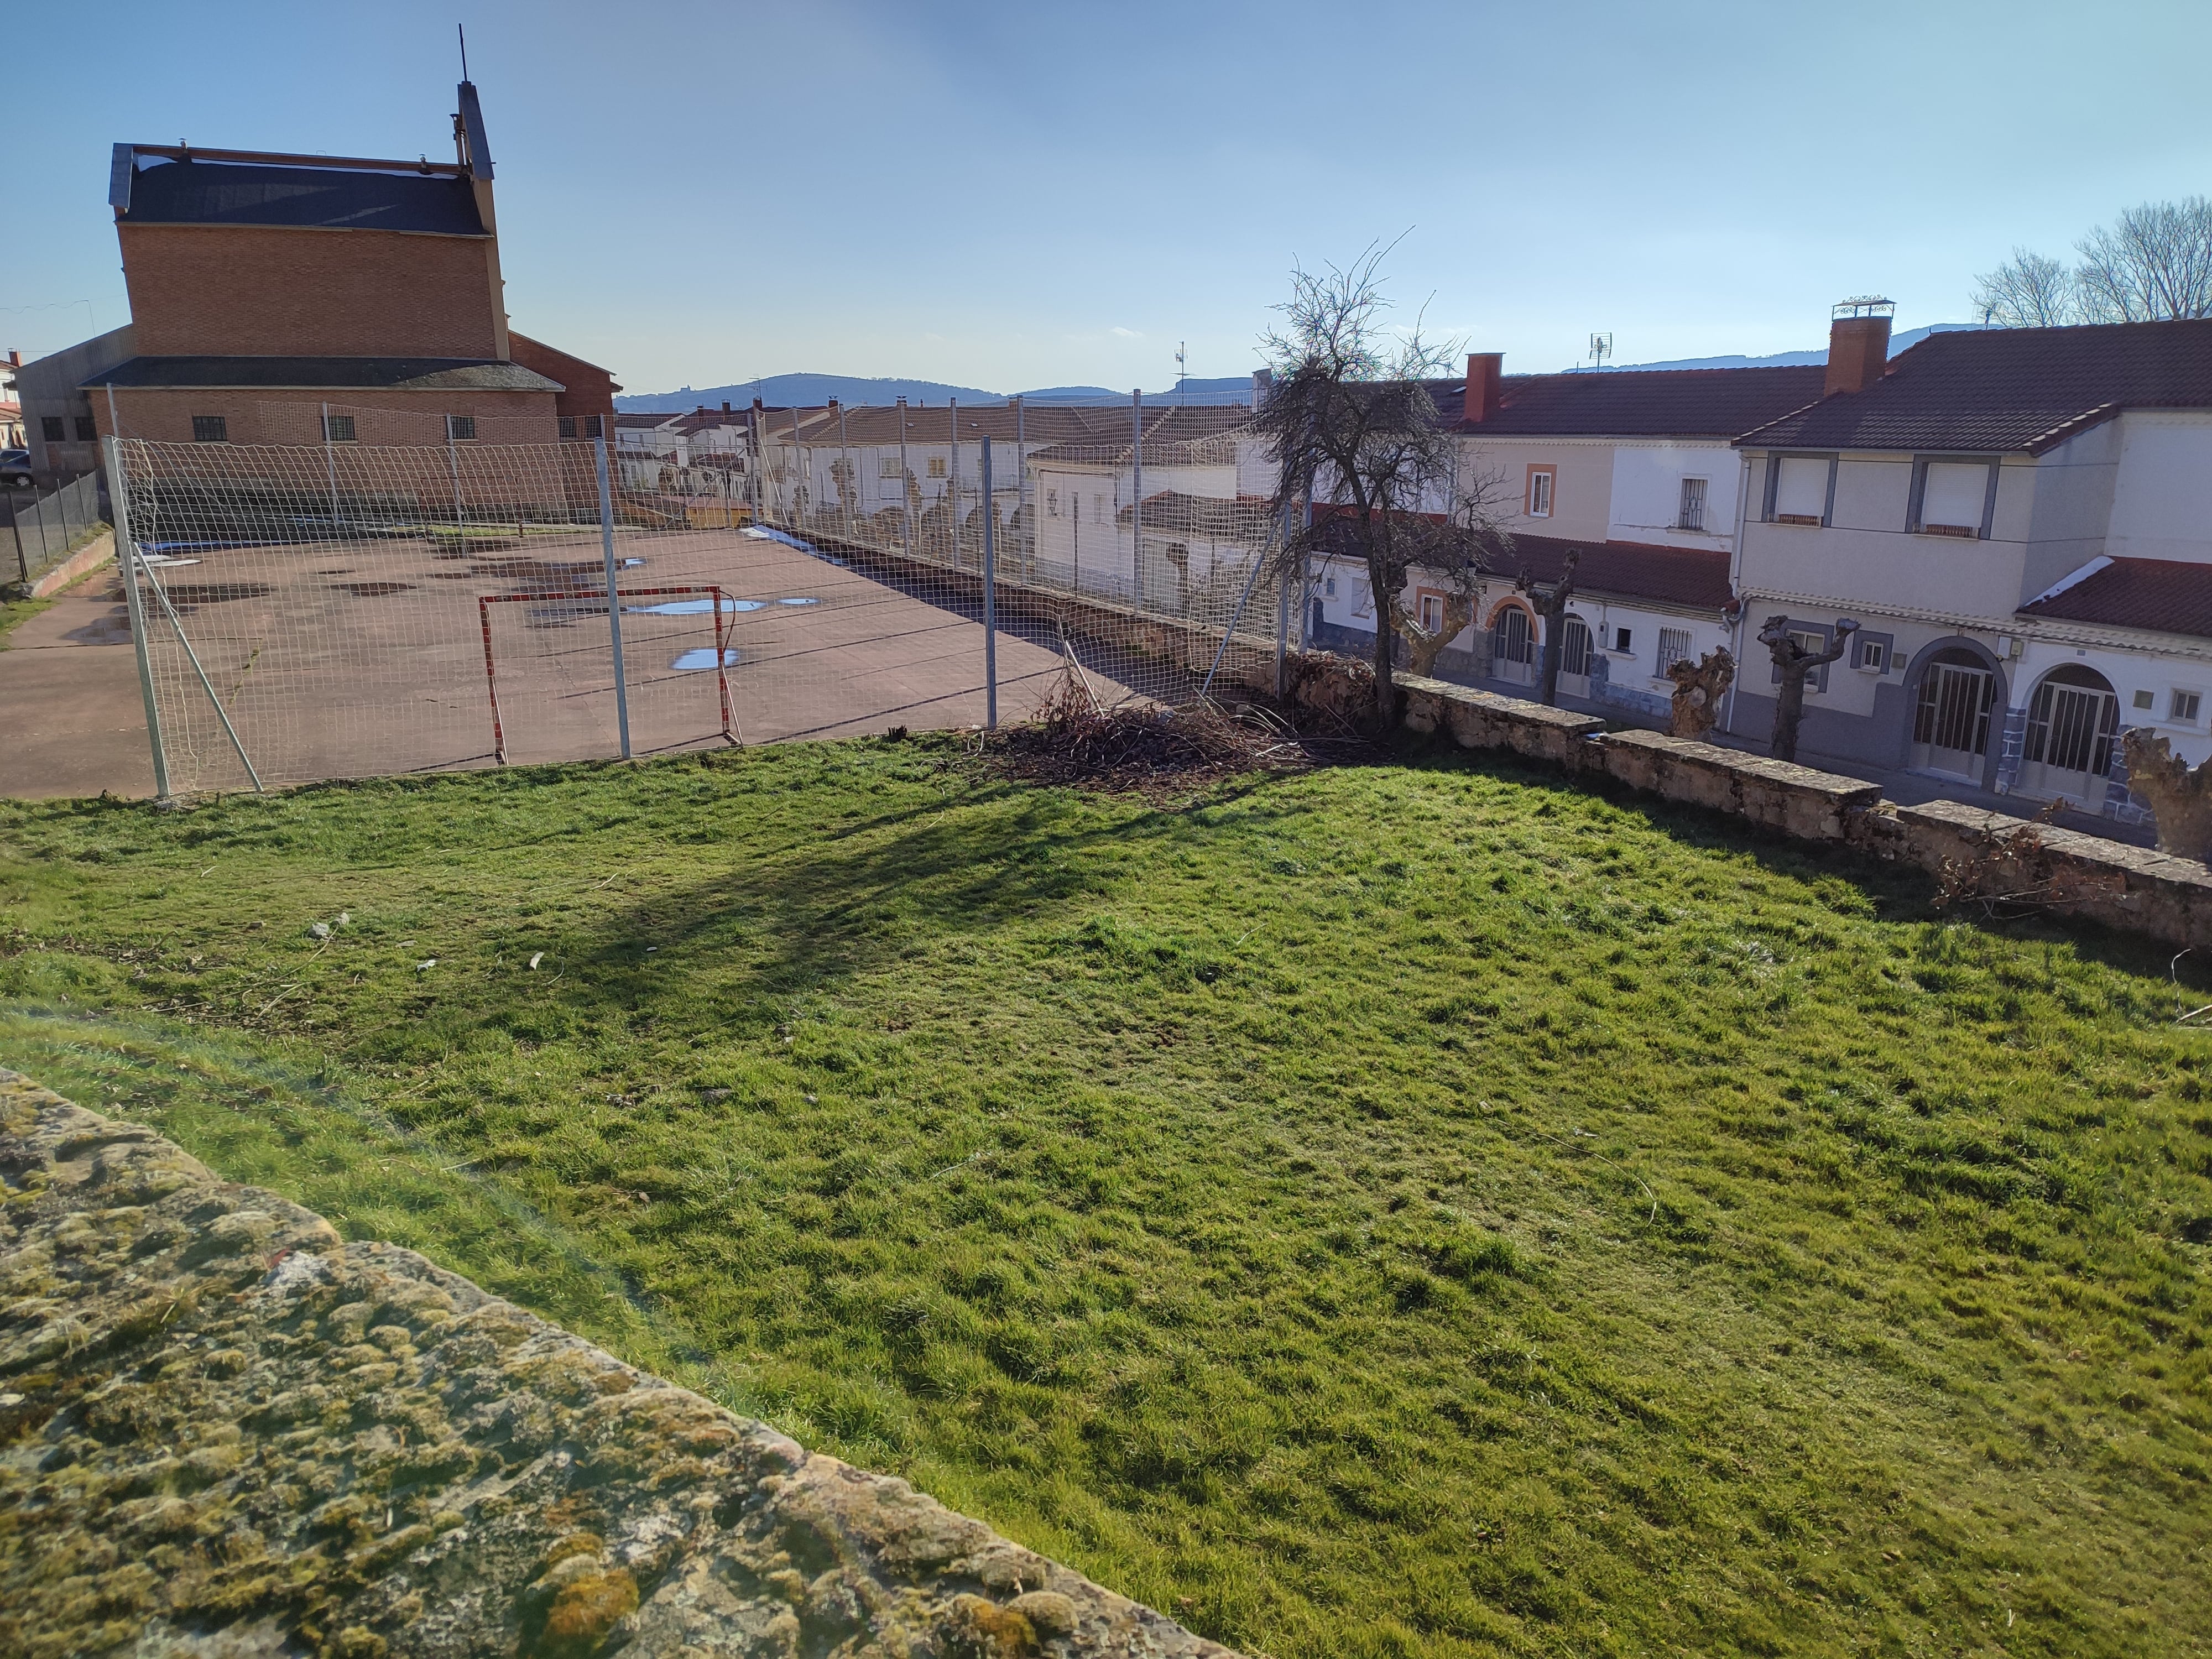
x,y
1024,195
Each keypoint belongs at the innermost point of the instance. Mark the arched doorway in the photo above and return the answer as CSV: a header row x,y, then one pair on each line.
x,y
1575,647
1951,720
2073,726
1512,646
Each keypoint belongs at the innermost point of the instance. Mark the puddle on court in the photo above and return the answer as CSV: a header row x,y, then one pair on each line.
x,y
697,607
703,657
798,601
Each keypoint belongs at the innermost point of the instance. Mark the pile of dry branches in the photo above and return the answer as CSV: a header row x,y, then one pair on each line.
x,y
2010,874
1152,751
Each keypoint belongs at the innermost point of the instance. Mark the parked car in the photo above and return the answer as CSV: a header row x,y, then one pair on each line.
x,y
15,469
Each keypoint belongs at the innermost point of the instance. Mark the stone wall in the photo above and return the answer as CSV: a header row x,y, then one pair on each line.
x,y
226,1434
2062,871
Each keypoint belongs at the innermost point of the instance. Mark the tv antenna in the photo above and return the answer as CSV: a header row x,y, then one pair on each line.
x,y
463,33
1601,348
1183,363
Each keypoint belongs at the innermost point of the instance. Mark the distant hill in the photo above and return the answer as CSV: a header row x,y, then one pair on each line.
x,y
813,390
1911,337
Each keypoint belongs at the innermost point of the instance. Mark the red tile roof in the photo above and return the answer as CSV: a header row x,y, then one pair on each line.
x,y
2168,595
1694,577
2006,390
1628,403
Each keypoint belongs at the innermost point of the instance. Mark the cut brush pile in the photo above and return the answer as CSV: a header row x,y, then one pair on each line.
x,y
1151,750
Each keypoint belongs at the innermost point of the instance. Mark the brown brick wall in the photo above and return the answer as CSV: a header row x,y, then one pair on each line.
x,y
589,388
248,291
381,418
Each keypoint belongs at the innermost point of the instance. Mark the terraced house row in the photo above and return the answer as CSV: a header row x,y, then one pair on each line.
x,y
2019,519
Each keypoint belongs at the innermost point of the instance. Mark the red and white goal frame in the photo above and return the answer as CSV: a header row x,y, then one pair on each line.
x,y
485,601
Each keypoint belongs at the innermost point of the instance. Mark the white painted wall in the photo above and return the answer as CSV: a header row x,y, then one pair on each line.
x,y
1647,492
2162,499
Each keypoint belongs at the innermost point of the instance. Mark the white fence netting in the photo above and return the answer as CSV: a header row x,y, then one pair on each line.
x,y
335,610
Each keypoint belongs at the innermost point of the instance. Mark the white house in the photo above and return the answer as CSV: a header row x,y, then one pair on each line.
x,y
2020,520
1633,470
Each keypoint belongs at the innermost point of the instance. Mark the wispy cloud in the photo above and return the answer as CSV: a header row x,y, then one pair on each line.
x,y
1126,333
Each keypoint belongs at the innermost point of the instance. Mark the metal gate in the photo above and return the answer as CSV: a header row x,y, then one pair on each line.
x,y
1951,725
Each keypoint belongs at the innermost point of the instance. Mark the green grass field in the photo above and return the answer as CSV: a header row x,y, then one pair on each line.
x,y
1407,1209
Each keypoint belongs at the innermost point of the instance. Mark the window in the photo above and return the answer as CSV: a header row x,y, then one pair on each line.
x,y
461,429
1510,638
337,430
1951,498
1621,638
55,431
1873,653
1814,641
1329,587
210,429
2184,706
1693,515
1798,489
87,433
1674,647
937,466
1541,480
887,466
1052,503
1431,612
566,425
2145,700
593,426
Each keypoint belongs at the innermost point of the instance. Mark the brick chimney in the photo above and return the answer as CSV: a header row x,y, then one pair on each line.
x,y
1485,370
1858,345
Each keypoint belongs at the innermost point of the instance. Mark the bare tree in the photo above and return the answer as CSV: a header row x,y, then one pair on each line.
x,y
1351,421
2028,290
1551,604
1698,687
1797,664
2152,264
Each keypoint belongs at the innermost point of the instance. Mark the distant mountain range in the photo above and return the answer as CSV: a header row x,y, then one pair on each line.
x,y
783,391
812,391
1912,337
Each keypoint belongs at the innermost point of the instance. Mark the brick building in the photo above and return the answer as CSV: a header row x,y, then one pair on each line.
x,y
281,299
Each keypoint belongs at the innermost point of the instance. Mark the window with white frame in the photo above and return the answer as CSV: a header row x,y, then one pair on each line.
x,y
1692,513
2181,707
1432,610
1541,480
937,466
1800,489
1873,654
1952,497
1674,647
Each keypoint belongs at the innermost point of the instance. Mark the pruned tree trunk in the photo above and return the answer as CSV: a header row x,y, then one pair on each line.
x,y
1795,664
1698,687
1552,606
1423,647
2180,795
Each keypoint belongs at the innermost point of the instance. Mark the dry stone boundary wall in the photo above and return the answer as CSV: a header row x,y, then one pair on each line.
x,y
2156,894
226,1434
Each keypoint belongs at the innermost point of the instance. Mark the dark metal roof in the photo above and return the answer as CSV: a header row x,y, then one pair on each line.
x,y
1699,402
351,373
2168,595
2007,391
199,192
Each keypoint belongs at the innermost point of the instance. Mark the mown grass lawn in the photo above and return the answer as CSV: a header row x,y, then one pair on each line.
x,y
1411,1209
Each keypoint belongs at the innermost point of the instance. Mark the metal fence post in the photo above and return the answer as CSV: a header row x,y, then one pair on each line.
x,y
119,488
1137,492
990,601
952,483
614,602
1283,603
906,505
330,466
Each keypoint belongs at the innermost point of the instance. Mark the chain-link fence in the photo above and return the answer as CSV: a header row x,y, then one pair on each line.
x,y
45,530
345,608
